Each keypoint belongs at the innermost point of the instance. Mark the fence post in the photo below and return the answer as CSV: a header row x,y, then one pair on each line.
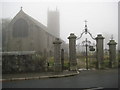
x,y
62,58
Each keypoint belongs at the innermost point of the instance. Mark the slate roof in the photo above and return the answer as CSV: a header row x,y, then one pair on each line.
x,y
22,13
32,19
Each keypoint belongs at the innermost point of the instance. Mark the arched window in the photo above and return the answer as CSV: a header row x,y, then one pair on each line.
x,y
20,28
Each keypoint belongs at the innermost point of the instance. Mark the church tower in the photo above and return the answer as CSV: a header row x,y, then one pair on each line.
x,y
53,23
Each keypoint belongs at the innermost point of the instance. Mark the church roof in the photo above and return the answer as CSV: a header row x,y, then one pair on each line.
x,y
22,13
37,23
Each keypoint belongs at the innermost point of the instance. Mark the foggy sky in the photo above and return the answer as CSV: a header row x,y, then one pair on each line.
x,y
102,17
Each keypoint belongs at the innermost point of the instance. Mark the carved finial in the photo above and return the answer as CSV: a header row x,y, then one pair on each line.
x,y
86,27
112,37
86,22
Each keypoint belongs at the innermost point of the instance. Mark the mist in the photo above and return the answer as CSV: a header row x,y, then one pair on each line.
x,y
102,17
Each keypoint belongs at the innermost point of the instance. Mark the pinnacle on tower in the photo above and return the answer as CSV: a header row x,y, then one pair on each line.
x,y
21,7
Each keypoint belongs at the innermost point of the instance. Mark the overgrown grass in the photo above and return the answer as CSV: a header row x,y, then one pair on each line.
x,y
51,63
92,62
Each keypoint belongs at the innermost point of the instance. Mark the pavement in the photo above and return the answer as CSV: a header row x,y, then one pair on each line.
x,y
88,79
33,76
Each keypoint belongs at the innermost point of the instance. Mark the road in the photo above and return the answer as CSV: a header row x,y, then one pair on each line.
x,y
86,79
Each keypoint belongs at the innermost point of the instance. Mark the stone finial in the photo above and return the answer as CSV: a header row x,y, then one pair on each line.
x,y
112,42
72,36
85,22
112,37
99,36
57,41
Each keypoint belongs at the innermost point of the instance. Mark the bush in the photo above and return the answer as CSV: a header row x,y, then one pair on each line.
x,y
38,63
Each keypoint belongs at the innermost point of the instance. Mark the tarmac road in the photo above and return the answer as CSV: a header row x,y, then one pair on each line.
x,y
85,79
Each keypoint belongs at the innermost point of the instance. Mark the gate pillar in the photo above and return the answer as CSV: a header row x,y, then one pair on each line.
x,y
57,56
99,50
72,52
112,53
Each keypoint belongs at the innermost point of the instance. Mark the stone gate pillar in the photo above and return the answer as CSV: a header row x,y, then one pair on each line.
x,y
112,53
57,56
72,52
99,50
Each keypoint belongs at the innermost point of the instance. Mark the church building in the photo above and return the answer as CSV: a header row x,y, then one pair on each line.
x,y
24,33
